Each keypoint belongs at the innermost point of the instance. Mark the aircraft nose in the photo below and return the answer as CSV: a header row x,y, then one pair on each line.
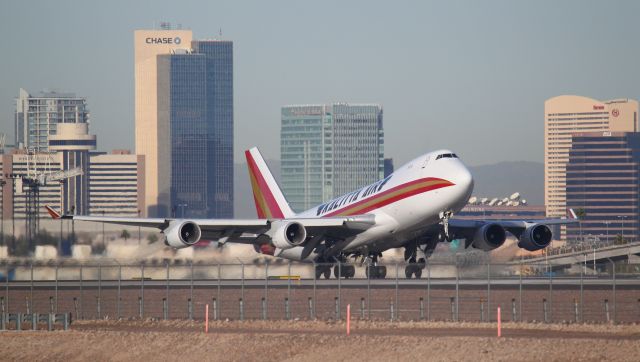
x,y
463,179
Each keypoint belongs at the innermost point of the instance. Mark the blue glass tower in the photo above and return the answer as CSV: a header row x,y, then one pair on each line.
x,y
195,104
218,56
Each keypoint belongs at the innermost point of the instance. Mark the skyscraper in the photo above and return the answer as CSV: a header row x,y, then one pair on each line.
x,y
186,130
603,175
568,114
329,150
37,117
152,137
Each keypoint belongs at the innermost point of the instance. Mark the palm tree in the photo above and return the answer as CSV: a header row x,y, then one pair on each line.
x,y
125,234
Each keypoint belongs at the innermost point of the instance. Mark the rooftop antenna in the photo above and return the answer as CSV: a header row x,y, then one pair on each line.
x,y
220,33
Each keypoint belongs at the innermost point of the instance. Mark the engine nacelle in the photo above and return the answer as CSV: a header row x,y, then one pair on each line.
x,y
286,235
489,237
181,234
535,237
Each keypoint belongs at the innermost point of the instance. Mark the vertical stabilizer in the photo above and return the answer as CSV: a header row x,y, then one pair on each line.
x,y
270,202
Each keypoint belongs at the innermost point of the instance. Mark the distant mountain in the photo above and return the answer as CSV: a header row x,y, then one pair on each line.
x,y
497,180
504,178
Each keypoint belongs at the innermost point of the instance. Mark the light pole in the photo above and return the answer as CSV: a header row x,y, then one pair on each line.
x,y
139,234
2,183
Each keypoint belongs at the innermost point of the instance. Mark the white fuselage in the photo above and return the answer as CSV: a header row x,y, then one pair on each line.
x,y
415,196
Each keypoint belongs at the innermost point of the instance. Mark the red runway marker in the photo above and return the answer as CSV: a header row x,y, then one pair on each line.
x,y
499,321
348,319
206,318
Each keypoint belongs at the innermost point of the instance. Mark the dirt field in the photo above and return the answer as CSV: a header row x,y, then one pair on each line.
x,y
323,341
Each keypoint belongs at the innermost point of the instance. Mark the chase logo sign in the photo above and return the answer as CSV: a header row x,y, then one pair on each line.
x,y
152,40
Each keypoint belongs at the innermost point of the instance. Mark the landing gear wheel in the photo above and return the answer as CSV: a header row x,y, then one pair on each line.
x,y
327,272
323,270
371,272
348,271
382,272
418,273
411,269
408,271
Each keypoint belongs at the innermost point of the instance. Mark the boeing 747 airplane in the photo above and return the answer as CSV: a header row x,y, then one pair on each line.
x,y
410,209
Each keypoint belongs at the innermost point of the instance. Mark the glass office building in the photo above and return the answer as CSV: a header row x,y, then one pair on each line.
x,y
218,56
602,180
329,150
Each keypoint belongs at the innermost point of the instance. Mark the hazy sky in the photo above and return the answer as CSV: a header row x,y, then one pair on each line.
x,y
471,76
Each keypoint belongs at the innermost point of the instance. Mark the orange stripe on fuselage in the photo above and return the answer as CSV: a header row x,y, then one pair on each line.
x,y
392,195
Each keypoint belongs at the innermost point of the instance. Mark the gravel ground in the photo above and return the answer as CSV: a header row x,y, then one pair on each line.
x,y
322,341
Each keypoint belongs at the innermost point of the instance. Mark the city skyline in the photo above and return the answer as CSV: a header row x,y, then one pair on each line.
x,y
458,76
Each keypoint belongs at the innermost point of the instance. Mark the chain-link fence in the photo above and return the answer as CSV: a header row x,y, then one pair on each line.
x,y
589,292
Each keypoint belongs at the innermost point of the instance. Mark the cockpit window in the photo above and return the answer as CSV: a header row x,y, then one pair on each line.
x,y
446,155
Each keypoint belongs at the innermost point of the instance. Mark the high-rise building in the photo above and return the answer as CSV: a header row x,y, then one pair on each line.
x,y
74,142
153,138
37,117
603,185
568,114
116,183
219,125
329,150
186,131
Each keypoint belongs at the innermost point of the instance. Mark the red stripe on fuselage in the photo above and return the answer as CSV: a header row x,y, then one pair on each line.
x,y
380,200
264,190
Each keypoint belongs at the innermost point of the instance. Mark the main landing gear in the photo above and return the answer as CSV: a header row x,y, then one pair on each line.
x,y
376,271
411,253
340,269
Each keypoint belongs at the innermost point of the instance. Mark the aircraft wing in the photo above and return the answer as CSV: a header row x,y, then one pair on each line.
x,y
240,230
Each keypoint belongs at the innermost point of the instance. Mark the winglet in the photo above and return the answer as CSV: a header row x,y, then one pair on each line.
x,y
53,213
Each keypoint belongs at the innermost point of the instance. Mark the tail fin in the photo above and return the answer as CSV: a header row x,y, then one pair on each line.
x,y
270,202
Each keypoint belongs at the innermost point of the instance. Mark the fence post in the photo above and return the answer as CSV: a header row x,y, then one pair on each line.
x,y
266,289
550,294
142,290
56,292
337,308
215,309
481,310
191,289
168,271
457,291
99,290
287,315
575,309
520,293
190,309
27,302
310,308
397,302
362,308
6,287
615,306
118,296
606,310
242,282
81,304
545,310
488,291
241,305
339,298
582,295
453,308
264,308
75,305
31,291
391,309
369,269
421,308
51,305
513,310
140,307
165,312
428,291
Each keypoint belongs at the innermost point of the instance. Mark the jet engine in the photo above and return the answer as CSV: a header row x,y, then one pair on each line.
x,y
286,235
489,237
181,234
535,237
